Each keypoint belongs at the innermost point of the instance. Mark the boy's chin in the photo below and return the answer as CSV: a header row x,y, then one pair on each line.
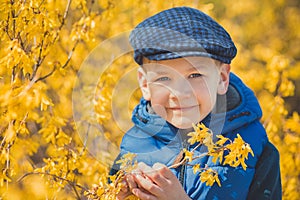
x,y
185,124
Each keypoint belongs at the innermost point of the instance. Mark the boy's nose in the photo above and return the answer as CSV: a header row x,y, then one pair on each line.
x,y
181,90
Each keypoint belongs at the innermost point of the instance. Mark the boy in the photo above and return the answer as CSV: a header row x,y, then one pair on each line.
x,y
185,78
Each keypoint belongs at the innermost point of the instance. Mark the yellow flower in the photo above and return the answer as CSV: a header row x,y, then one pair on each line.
x,y
238,152
217,154
188,155
209,177
196,168
201,134
127,162
222,140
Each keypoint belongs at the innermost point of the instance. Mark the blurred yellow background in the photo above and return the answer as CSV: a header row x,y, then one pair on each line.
x,y
48,152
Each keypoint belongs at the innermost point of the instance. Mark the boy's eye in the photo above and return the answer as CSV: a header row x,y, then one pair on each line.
x,y
195,75
163,79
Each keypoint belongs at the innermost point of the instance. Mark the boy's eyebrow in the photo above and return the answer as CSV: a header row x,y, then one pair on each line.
x,y
193,68
160,72
196,67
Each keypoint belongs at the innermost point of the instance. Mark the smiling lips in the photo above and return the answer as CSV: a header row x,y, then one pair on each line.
x,y
182,108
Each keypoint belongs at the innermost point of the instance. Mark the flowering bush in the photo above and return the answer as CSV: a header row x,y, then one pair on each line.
x,y
48,152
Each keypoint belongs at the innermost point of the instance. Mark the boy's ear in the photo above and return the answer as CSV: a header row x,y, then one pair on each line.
x,y
224,78
143,84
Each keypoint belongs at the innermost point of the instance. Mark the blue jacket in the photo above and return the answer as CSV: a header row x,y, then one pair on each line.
x,y
155,140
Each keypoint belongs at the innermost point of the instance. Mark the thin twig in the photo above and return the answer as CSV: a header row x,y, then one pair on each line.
x,y
7,164
75,190
7,26
39,60
196,147
70,54
200,156
184,161
63,20
13,74
13,19
53,175
46,76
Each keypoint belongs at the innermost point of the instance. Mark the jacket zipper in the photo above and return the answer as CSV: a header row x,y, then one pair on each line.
x,y
183,167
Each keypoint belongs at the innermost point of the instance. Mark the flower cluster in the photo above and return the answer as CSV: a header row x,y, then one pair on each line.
x,y
108,190
224,150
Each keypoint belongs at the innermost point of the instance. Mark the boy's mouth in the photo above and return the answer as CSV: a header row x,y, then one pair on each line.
x,y
183,108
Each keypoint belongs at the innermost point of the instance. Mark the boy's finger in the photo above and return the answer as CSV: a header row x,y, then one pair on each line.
x,y
131,182
156,177
145,168
153,174
143,194
164,171
148,185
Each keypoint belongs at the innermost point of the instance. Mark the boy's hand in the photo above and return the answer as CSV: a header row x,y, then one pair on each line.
x,y
127,185
157,182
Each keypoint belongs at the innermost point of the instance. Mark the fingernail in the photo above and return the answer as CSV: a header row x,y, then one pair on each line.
x,y
134,191
138,176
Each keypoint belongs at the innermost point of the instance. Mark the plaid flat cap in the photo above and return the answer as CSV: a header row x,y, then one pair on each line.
x,y
181,32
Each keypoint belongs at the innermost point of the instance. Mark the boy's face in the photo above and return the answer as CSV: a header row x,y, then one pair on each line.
x,y
184,90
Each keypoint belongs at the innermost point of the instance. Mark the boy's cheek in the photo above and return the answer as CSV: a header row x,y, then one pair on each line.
x,y
158,87
160,110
